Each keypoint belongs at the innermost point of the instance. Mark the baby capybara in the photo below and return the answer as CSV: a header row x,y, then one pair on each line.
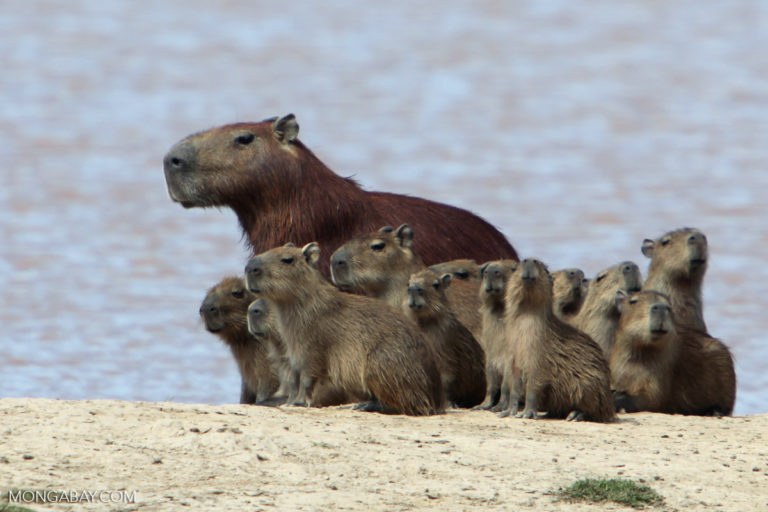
x,y
224,312
569,289
599,316
361,345
563,370
659,365
464,269
460,358
379,265
678,264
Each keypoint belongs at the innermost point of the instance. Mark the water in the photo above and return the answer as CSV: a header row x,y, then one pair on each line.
x,y
578,128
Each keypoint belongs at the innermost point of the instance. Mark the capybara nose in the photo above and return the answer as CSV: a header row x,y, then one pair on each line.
x,y
208,308
254,267
627,268
659,308
181,157
339,259
695,238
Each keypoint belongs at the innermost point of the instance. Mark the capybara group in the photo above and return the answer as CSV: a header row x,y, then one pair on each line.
x,y
361,345
660,365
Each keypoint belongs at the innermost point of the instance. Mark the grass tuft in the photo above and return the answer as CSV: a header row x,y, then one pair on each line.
x,y
624,492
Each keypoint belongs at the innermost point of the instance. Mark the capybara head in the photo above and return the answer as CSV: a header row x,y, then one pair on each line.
x,y
367,263
646,320
624,277
211,168
495,275
259,323
426,293
464,269
680,254
224,308
568,288
530,287
284,273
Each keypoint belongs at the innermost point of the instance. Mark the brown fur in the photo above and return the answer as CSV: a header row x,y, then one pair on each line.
x,y
460,358
493,288
379,265
569,290
563,370
282,192
659,365
599,316
224,313
678,264
464,269
361,345
263,325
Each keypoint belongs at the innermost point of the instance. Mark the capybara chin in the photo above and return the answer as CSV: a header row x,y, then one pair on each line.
x,y
379,265
661,366
599,315
463,269
460,359
224,312
678,264
281,192
361,345
493,288
563,370
569,290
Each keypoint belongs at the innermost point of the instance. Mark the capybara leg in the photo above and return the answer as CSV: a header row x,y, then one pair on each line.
x,y
491,390
576,416
531,410
625,402
503,403
247,396
370,406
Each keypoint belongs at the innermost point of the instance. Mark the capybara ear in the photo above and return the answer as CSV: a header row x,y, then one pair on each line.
x,y
286,129
647,248
386,229
621,300
289,244
404,235
311,253
445,279
483,267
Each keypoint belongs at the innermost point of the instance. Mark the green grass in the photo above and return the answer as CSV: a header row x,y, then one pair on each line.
x,y
624,492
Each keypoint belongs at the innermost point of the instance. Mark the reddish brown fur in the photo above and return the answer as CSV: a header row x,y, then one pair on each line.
x,y
224,313
599,316
463,269
569,290
361,345
678,264
460,358
659,365
282,192
379,265
563,370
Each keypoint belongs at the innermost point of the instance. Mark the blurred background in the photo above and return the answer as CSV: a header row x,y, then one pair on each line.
x,y
578,128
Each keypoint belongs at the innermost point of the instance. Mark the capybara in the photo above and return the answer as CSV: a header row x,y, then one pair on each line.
x,y
569,288
660,365
493,289
281,192
464,269
599,316
379,265
263,325
460,358
678,264
563,370
363,346
224,312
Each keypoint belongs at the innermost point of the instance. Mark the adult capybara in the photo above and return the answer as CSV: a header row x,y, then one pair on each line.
x,y
379,265
662,366
464,269
460,358
563,370
599,315
281,192
569,288
224,313
678,264
493,290
263,325
361,345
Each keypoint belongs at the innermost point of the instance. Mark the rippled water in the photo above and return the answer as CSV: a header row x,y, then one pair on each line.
x,y
578,128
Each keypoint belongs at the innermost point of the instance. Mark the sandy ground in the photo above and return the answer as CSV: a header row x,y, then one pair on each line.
x,y
232,457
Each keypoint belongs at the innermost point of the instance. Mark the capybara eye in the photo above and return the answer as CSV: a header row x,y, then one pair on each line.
x,y
601,277
633,301
665,241
378,246
463,274
244,139
287,260
436,285
238,293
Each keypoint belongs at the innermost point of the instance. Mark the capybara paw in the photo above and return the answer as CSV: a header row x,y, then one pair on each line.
x,y
528,414
372,406
576,416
